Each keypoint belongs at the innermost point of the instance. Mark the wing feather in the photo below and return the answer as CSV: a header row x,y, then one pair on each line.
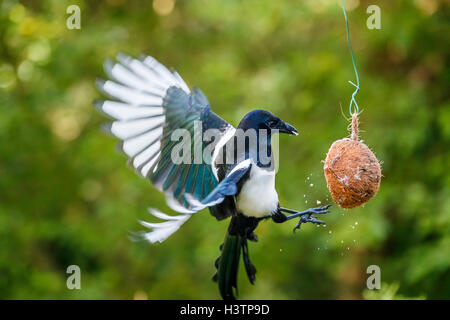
x,y
149,102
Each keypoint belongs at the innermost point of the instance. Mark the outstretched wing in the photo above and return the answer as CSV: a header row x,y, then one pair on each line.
x,y
227,187
150,103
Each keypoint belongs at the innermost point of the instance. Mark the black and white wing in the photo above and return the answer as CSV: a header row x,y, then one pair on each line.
x,y
149,104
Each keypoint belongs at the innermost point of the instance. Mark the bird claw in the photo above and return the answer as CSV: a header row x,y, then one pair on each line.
x,y
310,218
306,219
321,210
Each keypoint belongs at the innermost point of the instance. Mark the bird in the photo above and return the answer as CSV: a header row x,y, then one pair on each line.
x,y
172,137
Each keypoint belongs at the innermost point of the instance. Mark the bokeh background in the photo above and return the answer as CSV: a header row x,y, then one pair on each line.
x,y
67,197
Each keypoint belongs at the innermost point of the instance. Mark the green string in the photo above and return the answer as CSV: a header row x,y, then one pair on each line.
x,y
352,101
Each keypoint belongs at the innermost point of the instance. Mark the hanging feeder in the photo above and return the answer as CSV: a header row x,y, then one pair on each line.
x,y
352,171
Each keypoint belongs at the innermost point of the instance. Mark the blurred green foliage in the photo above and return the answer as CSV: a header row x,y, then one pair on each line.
x,y
66,196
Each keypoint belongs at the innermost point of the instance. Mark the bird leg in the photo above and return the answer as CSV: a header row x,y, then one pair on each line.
x,y
305,216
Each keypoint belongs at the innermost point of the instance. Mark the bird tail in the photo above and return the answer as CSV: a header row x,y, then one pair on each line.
x,y
228,263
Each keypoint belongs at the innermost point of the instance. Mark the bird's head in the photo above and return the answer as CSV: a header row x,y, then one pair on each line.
x,y
262,119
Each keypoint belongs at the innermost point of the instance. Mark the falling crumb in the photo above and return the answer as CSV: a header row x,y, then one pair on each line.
x,y
311,185
318,202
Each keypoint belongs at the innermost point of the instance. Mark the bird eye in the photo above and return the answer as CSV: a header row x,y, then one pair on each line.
x,y
272,123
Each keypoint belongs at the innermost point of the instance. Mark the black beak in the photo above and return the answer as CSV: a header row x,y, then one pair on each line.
x,y
284,127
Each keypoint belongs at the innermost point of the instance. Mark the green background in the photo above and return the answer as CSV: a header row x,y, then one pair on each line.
x,y
67,197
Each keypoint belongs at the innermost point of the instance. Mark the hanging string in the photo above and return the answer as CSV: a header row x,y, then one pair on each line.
x,y
353,100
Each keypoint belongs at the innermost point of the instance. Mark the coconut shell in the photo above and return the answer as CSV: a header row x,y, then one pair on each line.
x,y
352,172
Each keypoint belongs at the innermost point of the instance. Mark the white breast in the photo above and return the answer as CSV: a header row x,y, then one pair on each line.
x,y
258,197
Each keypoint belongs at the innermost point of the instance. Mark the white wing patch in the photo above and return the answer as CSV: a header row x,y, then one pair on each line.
x,y
223,140
132,147
131,129
140,86
126,94
162,230
125,111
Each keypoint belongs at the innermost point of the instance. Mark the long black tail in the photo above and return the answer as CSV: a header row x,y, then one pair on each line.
x,y
240,230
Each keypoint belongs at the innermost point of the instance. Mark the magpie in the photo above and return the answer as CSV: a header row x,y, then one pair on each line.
x,y
234,177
